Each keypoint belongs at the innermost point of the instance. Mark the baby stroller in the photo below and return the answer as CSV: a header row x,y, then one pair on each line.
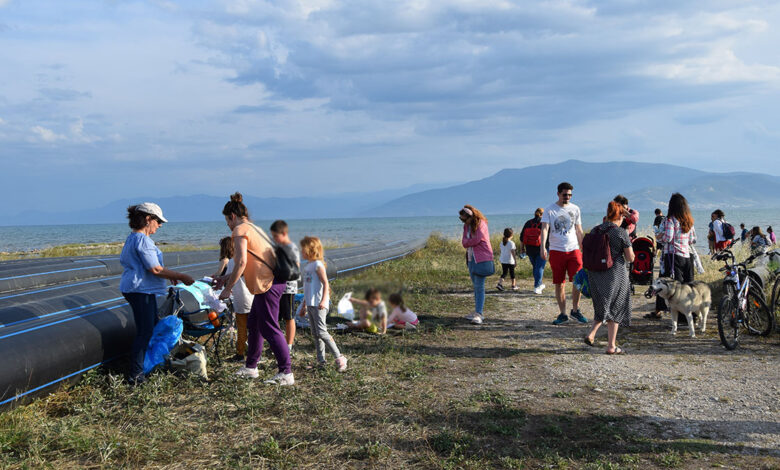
x,y
644,258
203,315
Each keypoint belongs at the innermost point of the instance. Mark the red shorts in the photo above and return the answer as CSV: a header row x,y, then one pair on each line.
x,y
720,246
562,262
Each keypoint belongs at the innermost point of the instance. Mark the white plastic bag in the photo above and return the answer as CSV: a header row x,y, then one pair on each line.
x,y
345,309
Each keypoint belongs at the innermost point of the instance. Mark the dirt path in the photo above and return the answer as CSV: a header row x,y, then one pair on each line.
x,y
665,387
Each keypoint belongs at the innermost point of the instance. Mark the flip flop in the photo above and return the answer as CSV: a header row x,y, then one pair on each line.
x,y
616,352
588,341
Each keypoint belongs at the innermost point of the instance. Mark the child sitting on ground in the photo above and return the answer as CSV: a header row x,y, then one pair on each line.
x,y
373,313
401,317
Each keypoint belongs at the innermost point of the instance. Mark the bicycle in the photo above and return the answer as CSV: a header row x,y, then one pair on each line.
x,y
741,306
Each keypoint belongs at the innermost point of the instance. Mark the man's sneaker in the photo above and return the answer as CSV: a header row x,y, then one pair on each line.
x,y
247,372
542,286
538,290
341,363
471,316
514,287
577,315
281,379
562,318
477,320
500,287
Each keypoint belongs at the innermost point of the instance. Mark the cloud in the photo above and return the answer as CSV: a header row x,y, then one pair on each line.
x,y
46,135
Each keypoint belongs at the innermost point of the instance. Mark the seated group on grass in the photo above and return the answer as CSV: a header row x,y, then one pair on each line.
x,y
373,316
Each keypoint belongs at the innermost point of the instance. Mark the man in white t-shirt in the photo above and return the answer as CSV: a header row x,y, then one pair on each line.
x,y
562,222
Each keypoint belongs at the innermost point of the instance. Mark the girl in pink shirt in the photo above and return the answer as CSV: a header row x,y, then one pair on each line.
x,y
479,256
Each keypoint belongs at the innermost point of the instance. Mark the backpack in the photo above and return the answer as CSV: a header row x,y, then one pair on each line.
x,y
596,254
532,235
286,268
729,232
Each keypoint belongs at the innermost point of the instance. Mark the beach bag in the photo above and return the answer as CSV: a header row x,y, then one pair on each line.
x,y
483,269
596,254
582,284
729,232
188,357
286,268
532,235
165,336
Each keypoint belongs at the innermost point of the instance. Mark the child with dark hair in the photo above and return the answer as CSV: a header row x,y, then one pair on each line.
x,y
241,297
373,313
401,317
280,234
507,259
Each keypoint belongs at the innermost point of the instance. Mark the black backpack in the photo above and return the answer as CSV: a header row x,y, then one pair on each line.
x,y
286,268
728,231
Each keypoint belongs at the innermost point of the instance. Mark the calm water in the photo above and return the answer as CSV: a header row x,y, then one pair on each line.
x,y
353,231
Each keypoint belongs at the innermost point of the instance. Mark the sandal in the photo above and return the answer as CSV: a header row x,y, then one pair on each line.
x,y
615,352
589,341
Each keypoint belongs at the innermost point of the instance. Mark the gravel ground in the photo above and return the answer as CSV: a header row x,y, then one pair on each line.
x,y
670,387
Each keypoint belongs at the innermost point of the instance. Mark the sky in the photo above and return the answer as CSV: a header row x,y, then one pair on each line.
x,y
104,100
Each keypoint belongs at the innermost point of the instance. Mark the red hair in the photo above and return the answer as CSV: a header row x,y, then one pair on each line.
x,y
614,211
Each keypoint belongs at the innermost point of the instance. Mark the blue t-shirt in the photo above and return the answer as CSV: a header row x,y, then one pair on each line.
x,y
138,256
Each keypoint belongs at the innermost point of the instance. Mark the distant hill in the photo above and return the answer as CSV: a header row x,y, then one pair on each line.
x,y
646,185
510,191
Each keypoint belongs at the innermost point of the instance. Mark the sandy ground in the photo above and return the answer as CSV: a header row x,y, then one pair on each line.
x,y
667,387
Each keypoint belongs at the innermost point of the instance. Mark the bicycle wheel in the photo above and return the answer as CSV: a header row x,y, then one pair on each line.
x,y
728,327
758,320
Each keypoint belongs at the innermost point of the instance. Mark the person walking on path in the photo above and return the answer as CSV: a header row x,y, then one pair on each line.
x,y
530,244
479,256
562,223
659,219
611,289
677,236
255,260
721,243
507,259
143,279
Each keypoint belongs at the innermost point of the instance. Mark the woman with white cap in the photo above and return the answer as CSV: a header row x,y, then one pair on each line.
x,y
143,279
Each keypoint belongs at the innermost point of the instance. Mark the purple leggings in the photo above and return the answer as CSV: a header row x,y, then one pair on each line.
x,y
263,323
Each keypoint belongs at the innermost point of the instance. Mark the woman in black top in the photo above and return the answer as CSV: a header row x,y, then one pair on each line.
x,y
611,289
530,244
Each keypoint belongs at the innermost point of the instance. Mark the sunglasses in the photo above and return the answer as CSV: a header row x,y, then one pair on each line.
x,y
565,194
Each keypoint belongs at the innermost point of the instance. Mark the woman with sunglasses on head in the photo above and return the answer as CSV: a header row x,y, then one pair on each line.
x,y
143,279
479,256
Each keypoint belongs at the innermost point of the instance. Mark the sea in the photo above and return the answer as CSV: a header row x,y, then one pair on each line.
x,y
333,232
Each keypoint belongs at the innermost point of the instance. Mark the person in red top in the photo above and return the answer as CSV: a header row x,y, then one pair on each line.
x,y
531,244
479,256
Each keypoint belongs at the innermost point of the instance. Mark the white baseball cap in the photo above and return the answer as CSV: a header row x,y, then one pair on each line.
x,y
151,209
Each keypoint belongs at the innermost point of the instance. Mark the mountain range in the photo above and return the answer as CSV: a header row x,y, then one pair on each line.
x,y
646,185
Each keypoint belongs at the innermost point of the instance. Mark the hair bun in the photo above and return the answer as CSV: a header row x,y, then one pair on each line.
x,y
236,197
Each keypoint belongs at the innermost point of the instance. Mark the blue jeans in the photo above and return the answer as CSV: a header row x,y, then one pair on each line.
x,y
479,288
145,315
537,265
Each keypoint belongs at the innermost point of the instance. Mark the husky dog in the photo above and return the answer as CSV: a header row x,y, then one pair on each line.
x,y
688,299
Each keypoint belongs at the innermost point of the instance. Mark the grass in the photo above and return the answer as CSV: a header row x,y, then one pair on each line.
x,y
407,401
